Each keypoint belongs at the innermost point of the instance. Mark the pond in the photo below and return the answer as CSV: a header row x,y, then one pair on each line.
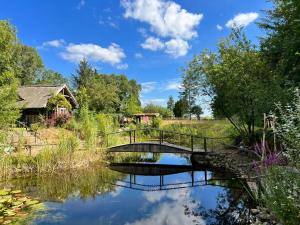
x,y
162,189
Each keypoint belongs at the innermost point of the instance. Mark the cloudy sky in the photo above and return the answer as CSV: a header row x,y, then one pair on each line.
x,y
148,40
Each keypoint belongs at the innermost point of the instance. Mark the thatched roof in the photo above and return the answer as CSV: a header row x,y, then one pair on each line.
x,y
146,114
37,96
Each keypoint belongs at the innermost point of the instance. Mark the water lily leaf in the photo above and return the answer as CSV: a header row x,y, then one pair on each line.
x,y
16,192
32,202
3,192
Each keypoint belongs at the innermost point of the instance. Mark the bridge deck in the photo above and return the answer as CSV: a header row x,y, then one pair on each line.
x,y
153,147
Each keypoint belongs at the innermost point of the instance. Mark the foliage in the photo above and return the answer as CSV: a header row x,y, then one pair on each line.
x,y
240,85
9,111
152,108
58,101
88,128
27,63
197,110
171,103
190,85
180,108
107,123
288,129
8,83
106,93
281,194
281,46
156,122
48,76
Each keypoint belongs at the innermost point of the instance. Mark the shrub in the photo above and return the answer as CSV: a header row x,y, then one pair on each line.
x,y
281,194
156,122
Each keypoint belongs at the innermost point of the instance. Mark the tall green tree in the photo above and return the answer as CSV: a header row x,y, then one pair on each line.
x,y
48,76
84,75
281,46
181,107
171,103
239,83
190,85
8,83
197,110
27,63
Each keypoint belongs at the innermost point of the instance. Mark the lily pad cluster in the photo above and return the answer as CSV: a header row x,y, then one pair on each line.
x,y
16,206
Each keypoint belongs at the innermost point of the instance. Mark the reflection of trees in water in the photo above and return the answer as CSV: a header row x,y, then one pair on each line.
x,y
83,183
128,157
232,205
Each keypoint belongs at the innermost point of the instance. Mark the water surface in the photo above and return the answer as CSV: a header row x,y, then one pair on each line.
x,y
140,195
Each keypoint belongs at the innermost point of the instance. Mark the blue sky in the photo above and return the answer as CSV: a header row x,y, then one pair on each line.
x,y
147,40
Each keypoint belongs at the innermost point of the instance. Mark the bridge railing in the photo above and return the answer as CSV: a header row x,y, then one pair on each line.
x,y
189,141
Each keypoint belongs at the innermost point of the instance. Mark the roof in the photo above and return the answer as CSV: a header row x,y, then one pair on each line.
x,y
146,114
37,96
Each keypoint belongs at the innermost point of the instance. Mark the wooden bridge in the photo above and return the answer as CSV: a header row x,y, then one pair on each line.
x,y
161,141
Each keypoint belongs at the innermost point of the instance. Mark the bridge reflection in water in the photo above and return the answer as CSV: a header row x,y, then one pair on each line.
x,y
161,171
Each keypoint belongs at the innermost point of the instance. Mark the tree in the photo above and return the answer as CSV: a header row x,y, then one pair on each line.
x,y
181,107
163,111
190,90
281,46
27,63
8,83
83,75
48,76
239,83
197,110
171,103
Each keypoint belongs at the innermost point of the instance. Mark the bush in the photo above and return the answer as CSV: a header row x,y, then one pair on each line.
x,y
281,194
156,122
106,123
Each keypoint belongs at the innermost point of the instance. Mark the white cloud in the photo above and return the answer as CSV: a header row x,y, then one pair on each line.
x,y
176,211
242,20
152,44
142,31
138,55
166,18
113,54
54,43
176,47
123,66
81,4
148,87
219,27
173,85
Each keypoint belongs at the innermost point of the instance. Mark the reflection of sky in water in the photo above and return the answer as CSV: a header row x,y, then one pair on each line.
x,y
133,207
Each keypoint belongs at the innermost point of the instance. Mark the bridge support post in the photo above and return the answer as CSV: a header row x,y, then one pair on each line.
x,y
134,135
205,144
193,179
160,137
161,183
192,143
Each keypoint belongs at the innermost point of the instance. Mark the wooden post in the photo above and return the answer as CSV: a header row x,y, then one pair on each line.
x,y
193,179
130,136
134,134
205,144
192,143
160,137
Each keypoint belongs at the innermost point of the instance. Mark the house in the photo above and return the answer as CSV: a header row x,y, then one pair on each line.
x,y
144,117
34,99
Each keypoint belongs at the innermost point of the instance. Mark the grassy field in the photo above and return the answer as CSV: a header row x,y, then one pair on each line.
x,y
207,128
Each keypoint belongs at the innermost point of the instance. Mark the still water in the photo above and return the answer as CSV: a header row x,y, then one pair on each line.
x,y
154,192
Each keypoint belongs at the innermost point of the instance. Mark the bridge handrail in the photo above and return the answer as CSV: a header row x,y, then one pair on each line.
x,y
166,131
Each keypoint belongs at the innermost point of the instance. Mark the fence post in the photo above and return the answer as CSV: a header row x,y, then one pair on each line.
x,y
205,144
130,135
134,134
160,137
192,143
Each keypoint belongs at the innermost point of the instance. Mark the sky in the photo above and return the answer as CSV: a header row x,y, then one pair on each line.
x,y
150,41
